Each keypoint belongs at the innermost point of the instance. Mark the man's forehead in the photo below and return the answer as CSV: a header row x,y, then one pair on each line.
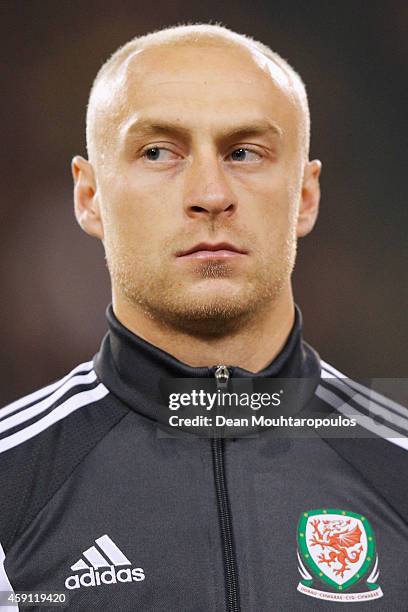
x,y
205,61
157,76
152,73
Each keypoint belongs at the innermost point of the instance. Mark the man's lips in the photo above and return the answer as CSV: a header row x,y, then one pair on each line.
x,y
205,250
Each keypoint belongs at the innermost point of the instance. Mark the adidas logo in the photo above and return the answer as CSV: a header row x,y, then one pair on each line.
x,y
95,574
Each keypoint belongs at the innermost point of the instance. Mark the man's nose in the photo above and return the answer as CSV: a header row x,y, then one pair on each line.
x,y
207,191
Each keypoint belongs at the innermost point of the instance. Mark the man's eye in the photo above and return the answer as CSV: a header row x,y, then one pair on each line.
x,y
242,155
158,154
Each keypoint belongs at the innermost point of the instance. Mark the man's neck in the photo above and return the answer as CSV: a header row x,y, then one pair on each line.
x,y
252,347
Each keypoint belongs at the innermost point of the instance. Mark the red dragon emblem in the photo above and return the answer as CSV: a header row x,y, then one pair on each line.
x,y
337,537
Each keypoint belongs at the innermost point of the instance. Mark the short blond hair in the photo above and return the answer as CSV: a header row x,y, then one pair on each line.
x,y
196,33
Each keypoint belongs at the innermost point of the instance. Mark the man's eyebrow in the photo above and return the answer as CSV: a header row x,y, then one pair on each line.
x,y
147,127
260,127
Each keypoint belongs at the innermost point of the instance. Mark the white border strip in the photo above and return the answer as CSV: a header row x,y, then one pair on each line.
x,y
366,422
373,577
367,403
70,405
35,409
302,570
370,393
40,393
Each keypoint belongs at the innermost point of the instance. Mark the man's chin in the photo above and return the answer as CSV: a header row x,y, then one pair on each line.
x,y
210,315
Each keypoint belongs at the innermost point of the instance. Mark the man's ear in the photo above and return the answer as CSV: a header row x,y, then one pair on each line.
x,y
87,209
310,198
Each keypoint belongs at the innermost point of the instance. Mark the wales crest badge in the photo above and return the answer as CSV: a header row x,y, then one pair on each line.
x,y
337,556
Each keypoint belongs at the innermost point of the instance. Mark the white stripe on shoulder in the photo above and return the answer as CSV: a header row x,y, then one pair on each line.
x,y
60,412
32,411
40,393
364,421
386,402
366,402
5,586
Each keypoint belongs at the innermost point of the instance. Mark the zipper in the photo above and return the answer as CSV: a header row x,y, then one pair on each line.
x,y
222,375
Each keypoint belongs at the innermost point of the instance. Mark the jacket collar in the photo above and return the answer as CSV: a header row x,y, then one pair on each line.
x,y
131,368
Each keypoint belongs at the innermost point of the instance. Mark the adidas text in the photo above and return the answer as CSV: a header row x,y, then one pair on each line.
x,y
109,576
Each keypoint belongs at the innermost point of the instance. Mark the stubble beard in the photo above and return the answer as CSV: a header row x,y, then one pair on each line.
x,y
170,304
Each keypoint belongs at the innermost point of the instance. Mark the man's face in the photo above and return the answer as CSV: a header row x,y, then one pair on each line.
x,y
224,164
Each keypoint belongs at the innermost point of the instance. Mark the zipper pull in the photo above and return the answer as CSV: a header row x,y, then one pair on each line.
x,y
222,375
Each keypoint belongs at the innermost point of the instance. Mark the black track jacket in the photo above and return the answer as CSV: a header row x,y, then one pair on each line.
x,y
98,503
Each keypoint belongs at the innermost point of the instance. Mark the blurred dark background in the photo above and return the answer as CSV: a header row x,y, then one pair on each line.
x,y
351,275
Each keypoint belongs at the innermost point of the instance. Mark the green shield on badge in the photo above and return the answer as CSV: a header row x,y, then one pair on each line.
x,y
337,546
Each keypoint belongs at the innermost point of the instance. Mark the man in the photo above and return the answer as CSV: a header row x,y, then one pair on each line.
x,y
199,183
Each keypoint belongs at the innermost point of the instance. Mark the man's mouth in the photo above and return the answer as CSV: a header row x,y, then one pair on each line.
x,y
206,250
